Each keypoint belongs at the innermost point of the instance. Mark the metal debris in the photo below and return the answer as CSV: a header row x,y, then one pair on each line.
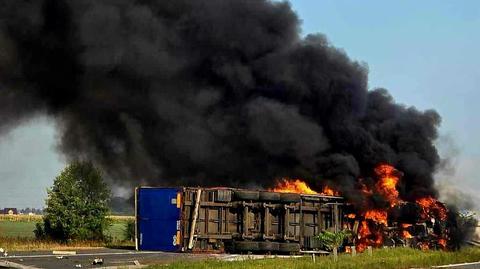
x,y
97,261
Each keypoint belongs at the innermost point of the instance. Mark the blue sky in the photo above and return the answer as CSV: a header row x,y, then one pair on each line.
x,y
426,53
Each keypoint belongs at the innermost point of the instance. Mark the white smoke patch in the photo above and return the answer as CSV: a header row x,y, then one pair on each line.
x,y
452,176
452,194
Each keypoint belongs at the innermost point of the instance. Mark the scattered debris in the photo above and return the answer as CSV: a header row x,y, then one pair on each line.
x,y
135,262
60,257
78,265
97,261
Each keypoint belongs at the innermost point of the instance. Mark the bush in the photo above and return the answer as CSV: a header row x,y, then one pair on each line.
x,y
130,231
331,240
77,205
39,231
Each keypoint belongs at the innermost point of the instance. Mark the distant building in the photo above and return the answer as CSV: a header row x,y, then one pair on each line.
x,y
10,211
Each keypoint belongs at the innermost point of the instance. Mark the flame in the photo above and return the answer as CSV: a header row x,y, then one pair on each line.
x,y
363,233
367,237
406,234
378,216
442,242
329,191
374,220
432,208
363,229
387,185
293,186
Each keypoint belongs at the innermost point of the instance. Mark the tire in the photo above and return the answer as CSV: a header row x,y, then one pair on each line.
x,y
269,246
389,242
289,247
269,196
247,195
246,246
290,197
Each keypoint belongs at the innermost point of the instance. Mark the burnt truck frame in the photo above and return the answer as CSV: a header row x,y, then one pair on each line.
x,y
231,220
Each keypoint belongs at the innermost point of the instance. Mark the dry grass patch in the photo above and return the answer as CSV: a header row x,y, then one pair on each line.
x,y
30,244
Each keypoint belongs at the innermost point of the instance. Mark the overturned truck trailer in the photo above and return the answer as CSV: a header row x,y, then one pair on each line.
x,y
232,220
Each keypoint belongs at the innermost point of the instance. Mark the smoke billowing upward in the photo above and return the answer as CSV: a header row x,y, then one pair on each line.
x,y
205,93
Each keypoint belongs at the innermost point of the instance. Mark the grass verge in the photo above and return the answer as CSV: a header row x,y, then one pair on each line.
x,y
397,258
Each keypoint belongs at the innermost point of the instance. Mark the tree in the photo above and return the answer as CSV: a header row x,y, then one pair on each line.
x,y
76,206
332,241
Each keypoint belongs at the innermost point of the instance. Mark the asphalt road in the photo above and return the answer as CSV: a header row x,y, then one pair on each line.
x,y
84,258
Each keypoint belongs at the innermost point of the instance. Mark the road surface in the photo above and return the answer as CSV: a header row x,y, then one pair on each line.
x,y
84,258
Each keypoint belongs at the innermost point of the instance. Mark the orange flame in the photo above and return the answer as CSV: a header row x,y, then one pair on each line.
x,y
442,242
368,238
363,233
293,186
378,216
387,185
372,228
431,208
329,191
351,216
406,234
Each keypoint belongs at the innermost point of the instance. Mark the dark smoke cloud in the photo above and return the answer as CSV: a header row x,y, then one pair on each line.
x,y
205,93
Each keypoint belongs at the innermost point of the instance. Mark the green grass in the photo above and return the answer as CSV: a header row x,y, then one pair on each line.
x,y
24,229
381,259
17,229
117,230
17,234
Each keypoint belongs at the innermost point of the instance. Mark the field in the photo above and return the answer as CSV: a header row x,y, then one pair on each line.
x,y
16,233
398,258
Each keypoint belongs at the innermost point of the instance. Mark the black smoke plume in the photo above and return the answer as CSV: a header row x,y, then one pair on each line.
x,y
205,93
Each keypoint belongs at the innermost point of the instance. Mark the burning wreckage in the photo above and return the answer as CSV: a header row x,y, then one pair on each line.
x,y
183,95
285,219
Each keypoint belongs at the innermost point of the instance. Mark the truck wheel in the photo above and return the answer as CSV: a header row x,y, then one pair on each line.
x,y
247,195
269,196
246,246
289,247
269,246
290,197
389,242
